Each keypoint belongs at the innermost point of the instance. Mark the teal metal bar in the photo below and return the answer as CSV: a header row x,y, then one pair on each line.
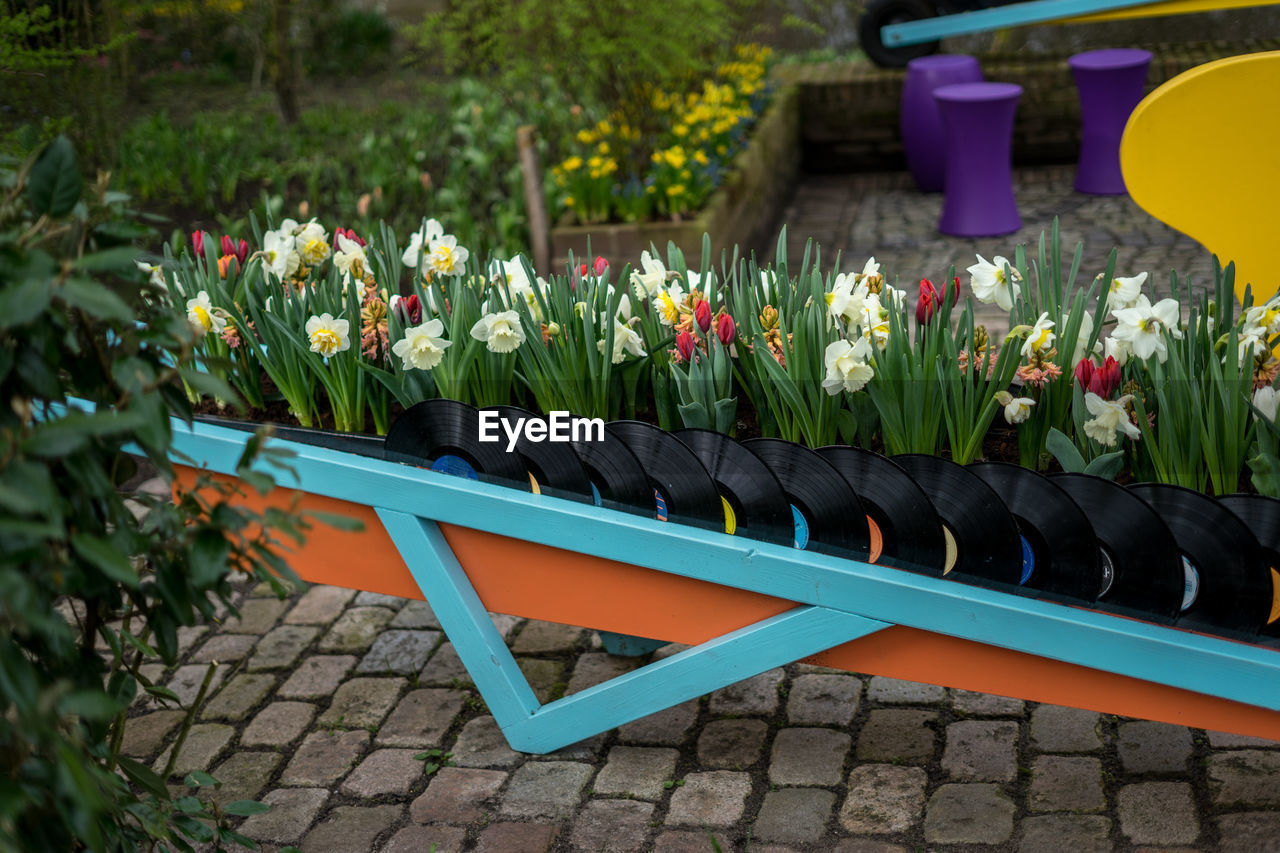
x,y
995,18
1208,665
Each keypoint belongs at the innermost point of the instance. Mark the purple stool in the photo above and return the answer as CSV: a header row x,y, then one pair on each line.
x,y
1110,83
977,122
921,126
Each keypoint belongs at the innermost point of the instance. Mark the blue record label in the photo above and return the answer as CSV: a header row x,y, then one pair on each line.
x,y
802,528
595,496
455,465
1028,561
660,504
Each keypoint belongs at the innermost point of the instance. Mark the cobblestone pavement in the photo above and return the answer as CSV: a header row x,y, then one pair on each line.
x,y
885,216
324,705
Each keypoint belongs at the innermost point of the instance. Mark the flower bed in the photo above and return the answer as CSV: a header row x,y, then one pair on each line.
x,y
1102,377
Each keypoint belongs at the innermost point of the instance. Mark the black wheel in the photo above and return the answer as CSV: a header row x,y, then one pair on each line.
x,y
881,13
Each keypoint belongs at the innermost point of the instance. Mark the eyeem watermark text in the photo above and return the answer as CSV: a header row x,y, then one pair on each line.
x,y
556,426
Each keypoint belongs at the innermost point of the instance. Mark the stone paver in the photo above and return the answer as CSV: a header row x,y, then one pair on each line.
x,y
378,599
1158,813
1147,747
415,615
204,743
225,648
257,615
350,828
1061,783
621,825
668,727
317,677
481,744
1245,778
281,647
356,629
968,814
455,795
1058,729
362,702
421,718
278,724
144,735
319,605
401,652
1226,740
186,681
756,695
384,771
292,811
823,700
545,789
240,696
325,757
794,815
540,638
1056,833
1250,832
512,837
890,734
545,677
415,839
986,704
242,776
637,771
981,751
883,799
444,669
597,667
714,798
731,744
893,691
809,757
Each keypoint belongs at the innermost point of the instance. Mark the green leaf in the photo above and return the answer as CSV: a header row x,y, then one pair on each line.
x,y
96,300
89,704
338,522
54,184
1107,465
118,258
101,553
245,808
1065,451
208,557
143,776
199,779
23,302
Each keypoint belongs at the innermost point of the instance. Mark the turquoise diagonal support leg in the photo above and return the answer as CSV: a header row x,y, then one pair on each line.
x,y
530,727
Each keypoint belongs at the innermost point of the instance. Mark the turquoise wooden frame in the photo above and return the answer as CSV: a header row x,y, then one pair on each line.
x,y
996,18
837,600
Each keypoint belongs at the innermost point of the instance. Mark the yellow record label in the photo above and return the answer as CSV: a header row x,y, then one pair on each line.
x,y
953,552
730,520
533,484
1275,597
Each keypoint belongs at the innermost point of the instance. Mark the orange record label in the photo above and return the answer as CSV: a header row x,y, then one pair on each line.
x,y
877,540
1275,597
533,484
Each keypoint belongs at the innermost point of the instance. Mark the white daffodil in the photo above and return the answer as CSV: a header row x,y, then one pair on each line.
x,y
769,282
1252,342
278,249
870,268
155,274
1016,409
848,367
875,320
1144,325
1040,338
1124,292
695,280
1266,317
429,231
645,284
327,335
1109,346
422,347
350,258
990,284
846,301
624,341
1109,417
201,315
1082,336
502,331
312,243
670,302
447,257
1266,400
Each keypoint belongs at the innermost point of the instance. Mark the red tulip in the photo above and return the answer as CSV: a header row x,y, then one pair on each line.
x,y
684,344
349,233
409,310
725,329
702,313
239,250
1106,379
600,265
1084,373
197,243
928,304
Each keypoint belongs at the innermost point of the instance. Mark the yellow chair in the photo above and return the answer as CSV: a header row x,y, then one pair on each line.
x,y
1202,154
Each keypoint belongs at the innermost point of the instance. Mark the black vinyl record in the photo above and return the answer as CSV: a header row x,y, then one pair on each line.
x,y
826,512
1228,585
985,536
445,434
553,465
684,491
756,505
1058,538
1262,515
347,442
1141,566
616,475
908,525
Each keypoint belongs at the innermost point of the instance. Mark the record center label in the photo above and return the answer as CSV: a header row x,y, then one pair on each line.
x,y
877,540
455,465
660,505
1028,561
1275,597
1108,571
730,519
1190,584
953,551
595,495
802,528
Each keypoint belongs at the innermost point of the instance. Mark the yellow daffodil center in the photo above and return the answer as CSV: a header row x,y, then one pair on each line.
x,y
202,314
1040,340
325,341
